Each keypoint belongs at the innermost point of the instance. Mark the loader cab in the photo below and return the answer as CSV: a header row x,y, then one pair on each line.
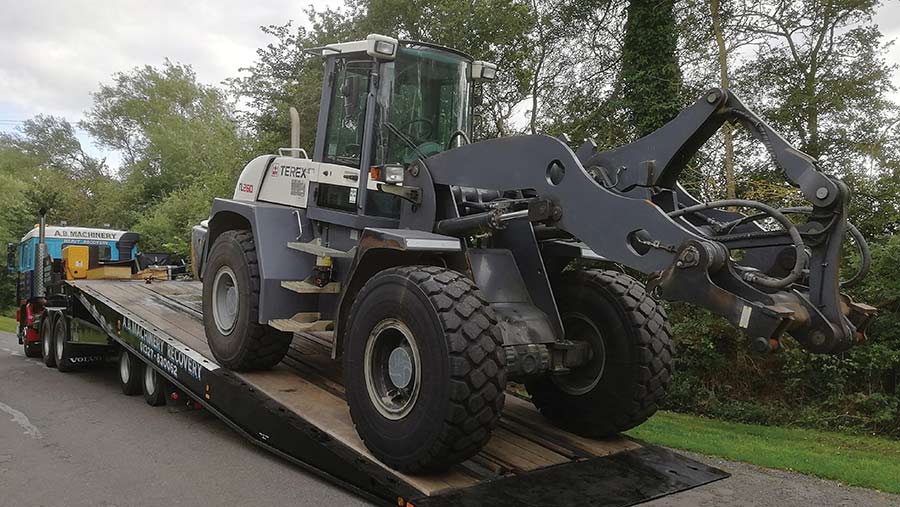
x,y
387,103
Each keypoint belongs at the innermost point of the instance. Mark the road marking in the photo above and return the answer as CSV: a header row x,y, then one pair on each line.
x,y
22,420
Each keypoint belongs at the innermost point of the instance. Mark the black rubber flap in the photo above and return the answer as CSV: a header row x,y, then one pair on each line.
x,y
626,478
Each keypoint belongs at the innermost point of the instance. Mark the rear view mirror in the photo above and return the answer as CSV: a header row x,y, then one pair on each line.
x,y
11,257
477,96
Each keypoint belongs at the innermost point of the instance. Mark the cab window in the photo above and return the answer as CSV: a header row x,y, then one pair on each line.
x,y
347,116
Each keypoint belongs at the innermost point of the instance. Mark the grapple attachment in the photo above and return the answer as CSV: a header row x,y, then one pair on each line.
x,y
769,271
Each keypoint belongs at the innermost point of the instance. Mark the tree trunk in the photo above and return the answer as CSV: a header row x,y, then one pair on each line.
x,y
727,133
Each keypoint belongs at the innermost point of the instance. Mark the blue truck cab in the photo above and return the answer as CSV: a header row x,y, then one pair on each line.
x,y
108,246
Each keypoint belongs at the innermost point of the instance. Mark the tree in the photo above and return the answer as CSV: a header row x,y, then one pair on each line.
x,y
651,76
181,149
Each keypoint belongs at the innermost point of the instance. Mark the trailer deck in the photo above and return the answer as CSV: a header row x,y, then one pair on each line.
x,y
297,410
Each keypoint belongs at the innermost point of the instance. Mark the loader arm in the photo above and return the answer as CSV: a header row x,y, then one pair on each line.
x,y
627,206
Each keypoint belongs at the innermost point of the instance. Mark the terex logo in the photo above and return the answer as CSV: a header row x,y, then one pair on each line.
x,y
293,171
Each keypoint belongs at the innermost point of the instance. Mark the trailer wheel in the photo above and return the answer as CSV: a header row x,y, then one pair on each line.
x,y
48,344
231,307
154,387
61,344
631,356
130,374
424,368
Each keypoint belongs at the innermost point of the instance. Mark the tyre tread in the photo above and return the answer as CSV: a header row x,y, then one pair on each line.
x,y
267,346
477,365
650,326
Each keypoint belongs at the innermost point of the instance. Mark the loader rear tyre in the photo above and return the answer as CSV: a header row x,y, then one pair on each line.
x,y
424,368
231,307
61,345
48,344
130,373
154,387
630,363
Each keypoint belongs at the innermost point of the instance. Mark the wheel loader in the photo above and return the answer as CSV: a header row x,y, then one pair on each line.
x,y
437,269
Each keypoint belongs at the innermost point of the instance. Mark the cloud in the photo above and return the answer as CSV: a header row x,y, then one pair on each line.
x,y
54,54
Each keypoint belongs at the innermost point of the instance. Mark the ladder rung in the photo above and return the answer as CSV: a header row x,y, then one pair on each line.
x,y
293,326
304,287
318,250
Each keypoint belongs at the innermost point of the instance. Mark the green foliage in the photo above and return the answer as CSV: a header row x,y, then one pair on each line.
x,y
859,461
651,77
181,146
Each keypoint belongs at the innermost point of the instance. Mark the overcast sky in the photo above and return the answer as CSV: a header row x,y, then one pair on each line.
x,y
53,54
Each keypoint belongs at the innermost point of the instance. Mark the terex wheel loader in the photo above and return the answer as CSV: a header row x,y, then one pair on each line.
x,y
438,269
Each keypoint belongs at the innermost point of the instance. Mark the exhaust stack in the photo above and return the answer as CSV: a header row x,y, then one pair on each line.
x,y
40,290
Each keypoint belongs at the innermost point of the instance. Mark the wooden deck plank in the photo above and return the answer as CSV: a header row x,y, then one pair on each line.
x,y
331,414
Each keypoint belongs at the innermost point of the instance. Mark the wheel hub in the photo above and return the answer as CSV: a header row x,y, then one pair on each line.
x,y
226,299
400,367
149,380
392,370
60,344
124,367
582,379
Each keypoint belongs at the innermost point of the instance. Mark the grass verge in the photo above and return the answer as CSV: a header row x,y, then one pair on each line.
x,y
869,462
7,324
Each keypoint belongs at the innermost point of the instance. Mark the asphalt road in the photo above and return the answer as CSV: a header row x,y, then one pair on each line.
x,y
75,440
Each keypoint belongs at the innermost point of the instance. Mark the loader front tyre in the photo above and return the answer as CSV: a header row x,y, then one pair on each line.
x,y
630,363
231,307
424,369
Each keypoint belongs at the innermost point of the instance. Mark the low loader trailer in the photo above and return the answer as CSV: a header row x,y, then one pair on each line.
x,y
297,410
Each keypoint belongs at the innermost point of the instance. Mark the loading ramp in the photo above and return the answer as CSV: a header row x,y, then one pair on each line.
x,y
297,410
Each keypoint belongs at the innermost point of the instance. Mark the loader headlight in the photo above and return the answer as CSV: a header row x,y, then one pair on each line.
x,y
384,48
381,46
391,174
483,71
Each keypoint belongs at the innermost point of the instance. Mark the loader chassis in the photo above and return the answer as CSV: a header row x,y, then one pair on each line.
x,y
397,205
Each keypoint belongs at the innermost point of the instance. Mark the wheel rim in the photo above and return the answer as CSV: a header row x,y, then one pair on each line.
x,y
392,369
584,378
45,344
225,303
150,380
124,367
60,341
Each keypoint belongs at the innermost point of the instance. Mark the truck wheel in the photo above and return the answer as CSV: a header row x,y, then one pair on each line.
x,y
48,344
424,368
630,366
130,374
154,387
231,307
61,344
32,349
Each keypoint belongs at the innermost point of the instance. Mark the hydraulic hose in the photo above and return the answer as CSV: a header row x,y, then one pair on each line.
x,y
756,277
865,254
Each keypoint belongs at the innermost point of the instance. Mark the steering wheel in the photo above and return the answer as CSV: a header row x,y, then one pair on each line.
x,y
418,140
455,134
